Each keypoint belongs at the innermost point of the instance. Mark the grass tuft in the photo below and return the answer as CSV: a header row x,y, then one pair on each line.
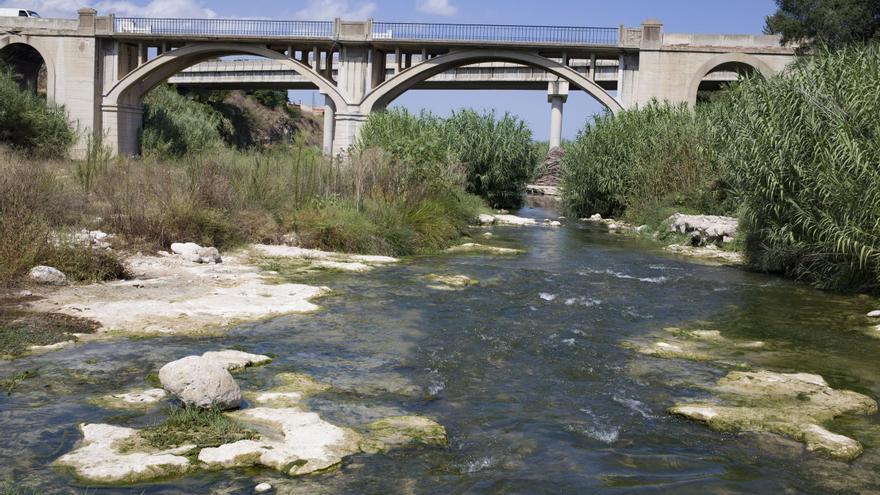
x,y
193,426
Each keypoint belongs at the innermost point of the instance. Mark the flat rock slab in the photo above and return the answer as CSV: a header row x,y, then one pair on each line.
x,y
514,220
401,431
234,360
792,404
450,281
710,253
475,248
100,457
133,399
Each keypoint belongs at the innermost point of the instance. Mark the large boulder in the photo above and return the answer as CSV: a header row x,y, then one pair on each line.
x,y
704,229
201,382
48,275
191,251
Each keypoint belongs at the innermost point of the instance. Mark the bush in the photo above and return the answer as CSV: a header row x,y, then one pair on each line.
x,y
175,125
803,153
497,155
29,124
629,164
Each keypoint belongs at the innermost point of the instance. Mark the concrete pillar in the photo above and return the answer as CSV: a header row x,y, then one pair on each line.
x,y
329,124
122,127
347,130
557,94
593,67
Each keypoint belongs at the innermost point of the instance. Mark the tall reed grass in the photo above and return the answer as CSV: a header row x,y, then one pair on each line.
x,y
31,125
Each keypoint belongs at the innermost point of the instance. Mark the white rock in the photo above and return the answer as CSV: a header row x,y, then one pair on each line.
x,y
24,293
472,247
316,254
263,488
235,360
874,314
300,443
136,398
200,382
484,219
488,235
704,228
596,217
209,255
818,439
555,223
286,398
191,251
99,458
506,219
48,275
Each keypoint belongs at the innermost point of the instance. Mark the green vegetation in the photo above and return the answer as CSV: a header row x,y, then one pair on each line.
x,y
497,156
795,156
639,162
29,124
803,155
21,329
193,426
833,23
175,125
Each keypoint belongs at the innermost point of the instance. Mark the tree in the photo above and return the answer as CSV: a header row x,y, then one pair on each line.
x,y
834,23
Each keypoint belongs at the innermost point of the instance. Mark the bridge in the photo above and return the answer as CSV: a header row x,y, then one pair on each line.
x,y
100,67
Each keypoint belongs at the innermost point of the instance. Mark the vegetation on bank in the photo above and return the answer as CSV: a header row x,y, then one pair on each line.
x,y
497,155
29,124
190,186
796,157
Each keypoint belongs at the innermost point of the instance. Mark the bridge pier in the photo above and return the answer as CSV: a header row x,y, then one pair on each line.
x,y
346,130
557,95
122,128
329,124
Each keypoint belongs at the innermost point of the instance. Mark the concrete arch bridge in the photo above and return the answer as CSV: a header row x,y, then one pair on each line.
x,y
100,67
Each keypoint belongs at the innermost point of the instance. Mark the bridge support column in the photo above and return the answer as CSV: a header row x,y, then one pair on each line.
x,y
557,94
329,124
122,127
347,129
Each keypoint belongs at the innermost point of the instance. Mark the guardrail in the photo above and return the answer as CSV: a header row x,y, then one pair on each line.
x,y
402,31
224,27
563,35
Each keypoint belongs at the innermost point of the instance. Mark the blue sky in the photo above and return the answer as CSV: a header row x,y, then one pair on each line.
x,y
697,16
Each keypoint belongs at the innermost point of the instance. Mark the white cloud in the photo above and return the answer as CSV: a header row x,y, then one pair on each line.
x,y
437,7
330,9
154,8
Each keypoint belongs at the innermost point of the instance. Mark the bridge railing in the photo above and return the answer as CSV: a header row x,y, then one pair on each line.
x,y
568,35
224,27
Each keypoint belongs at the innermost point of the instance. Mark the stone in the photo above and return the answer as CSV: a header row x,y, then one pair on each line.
x,y
555,223
235,360
451,281
472,247
874,314
201,382
704,229
300,383
790,404
291,239
595,217
47,275
279,399
297,443
263,488
191,251
507,219
102,457
488,235
484,219
133,399
710,253
401,431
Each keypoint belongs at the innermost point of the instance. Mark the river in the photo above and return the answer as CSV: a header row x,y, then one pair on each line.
x,y
527,371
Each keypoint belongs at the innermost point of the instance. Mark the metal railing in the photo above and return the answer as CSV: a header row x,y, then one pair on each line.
x,y
403,31
563,35
224,27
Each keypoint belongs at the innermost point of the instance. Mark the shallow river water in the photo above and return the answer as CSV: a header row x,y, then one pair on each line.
x,y
526,370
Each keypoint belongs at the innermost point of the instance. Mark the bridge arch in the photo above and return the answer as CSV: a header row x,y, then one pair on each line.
x,y
742,63
131,89
26,60
388,91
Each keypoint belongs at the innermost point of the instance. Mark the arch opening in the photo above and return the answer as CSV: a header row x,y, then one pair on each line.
x,y
722,70
27,65
384,94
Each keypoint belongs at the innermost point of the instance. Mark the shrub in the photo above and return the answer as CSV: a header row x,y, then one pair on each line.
x,y
175,125
803,153
645,157
497,155
28,123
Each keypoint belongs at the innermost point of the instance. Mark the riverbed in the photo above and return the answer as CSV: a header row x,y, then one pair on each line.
x,y
528,370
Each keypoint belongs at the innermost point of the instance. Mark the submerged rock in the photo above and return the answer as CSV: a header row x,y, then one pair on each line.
x,y
263,488
299,382
794,405
201,382
710,253
47,275
235,360
105,456
399,431
133,399
450,281
472,247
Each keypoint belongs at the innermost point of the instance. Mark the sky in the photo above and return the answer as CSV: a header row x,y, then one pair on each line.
x,y
691,16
